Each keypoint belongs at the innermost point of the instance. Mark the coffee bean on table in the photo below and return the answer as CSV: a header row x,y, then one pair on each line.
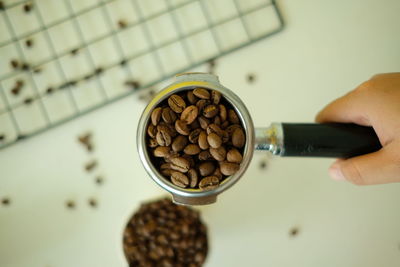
x,y
214,140
196,140
176,103
209,182
189,114
179,179
206,168
234,156
201,93
229,168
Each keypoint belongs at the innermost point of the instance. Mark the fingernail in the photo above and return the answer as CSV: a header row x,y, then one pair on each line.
x,y
336,173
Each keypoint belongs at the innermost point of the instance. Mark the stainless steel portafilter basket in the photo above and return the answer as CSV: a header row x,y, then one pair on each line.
x,y
282,139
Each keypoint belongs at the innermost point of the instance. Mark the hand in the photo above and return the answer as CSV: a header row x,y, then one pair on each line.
x,y
375,103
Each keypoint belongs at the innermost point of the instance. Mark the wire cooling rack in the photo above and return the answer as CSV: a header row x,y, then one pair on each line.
x,y
62,59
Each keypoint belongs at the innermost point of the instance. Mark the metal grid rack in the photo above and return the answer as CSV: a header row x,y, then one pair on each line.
x,y
62,59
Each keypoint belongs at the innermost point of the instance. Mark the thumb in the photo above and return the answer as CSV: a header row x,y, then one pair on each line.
x,y
379,167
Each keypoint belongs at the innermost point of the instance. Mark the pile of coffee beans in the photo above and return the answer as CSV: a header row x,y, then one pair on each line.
x,y
196,139
161,233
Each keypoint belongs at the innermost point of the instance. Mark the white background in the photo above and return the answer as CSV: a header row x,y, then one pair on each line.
x,y
327,48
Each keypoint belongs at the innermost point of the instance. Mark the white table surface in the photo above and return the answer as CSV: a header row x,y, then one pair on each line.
x,y
327,48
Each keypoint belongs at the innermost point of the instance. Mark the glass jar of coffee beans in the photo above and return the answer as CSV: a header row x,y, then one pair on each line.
x,y
196,139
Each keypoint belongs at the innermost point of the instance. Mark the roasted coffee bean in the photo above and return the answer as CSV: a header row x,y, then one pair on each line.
x,y
168,115
152,131
179,179
190,159
204,122
201,104
163,234
223,113
229,168
213,128
203,143
218,173
176,103
225,124
209,182
217,120
238,138
195,125
163,138
193,178
201,93
155,116
191,97
234,156
233,117
161,151
172,154
194,135
231,128
179,143
189,114
215,97
182,127
214,140
218,153
153,143
192,149
180,164
204,155
206,168
210,111
225,137
171,128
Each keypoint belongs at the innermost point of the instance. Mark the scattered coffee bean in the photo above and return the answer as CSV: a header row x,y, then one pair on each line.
x,y
238,138
189,114
201,93
91,165
2,137
2,6
176,103
161,151
210,111
218,153
122,24
14,63
74,51
28,43
294,231
86,140
234,156
263,164
228,168
28,7
99,180
28,100
190,135
156,116
209,182
161,233
134,84
92,202
206,168
25,66
5,201
70,204
179,179
250,78
192,149
214,140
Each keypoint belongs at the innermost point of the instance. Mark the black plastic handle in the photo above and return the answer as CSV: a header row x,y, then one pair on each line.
x,y
337,140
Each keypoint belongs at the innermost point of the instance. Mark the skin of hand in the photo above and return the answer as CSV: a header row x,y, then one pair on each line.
x,y
375,103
